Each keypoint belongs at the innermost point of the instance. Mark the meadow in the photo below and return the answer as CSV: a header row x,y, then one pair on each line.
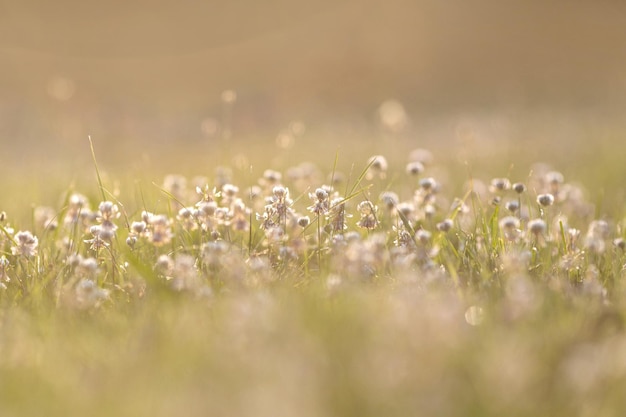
x,y
300,278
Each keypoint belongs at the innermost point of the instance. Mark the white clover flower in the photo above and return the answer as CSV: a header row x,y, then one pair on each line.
x,y
545,200
537,226
89,295
25,244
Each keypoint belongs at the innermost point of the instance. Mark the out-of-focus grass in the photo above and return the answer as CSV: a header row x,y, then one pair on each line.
x,y
294,352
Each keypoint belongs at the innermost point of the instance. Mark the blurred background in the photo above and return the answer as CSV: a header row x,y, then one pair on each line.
x,y
156,76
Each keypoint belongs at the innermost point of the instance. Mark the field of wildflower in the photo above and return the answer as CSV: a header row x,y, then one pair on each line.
x,y
384,279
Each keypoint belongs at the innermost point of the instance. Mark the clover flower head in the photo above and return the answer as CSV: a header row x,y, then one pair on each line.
x,y
25,244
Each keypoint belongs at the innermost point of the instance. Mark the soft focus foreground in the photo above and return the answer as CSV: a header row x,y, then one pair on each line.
x,y
338,285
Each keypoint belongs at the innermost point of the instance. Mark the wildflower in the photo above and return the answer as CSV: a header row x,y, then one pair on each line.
x,y
25,244
537,227
389,199
229,192
554,179
184,273
270,178
164,265
414,168
304,221
337,215
519,187
378,166
89,295
512,206
499,185
596,235
429,211
572,236
160,232
423,236
445,225
403,237
275,234
86,267
186,216
214,253
428,184
459,206
100,239
545,199
131,241
107,211
278,209
138,227
321,204
368,215
4,276
510,227
406,211
176,185
78,211
45,218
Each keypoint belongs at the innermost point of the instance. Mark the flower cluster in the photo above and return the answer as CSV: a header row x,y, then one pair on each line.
x,y
230,236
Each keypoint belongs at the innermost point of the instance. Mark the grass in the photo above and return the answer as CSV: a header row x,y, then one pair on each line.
x,y
248,296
